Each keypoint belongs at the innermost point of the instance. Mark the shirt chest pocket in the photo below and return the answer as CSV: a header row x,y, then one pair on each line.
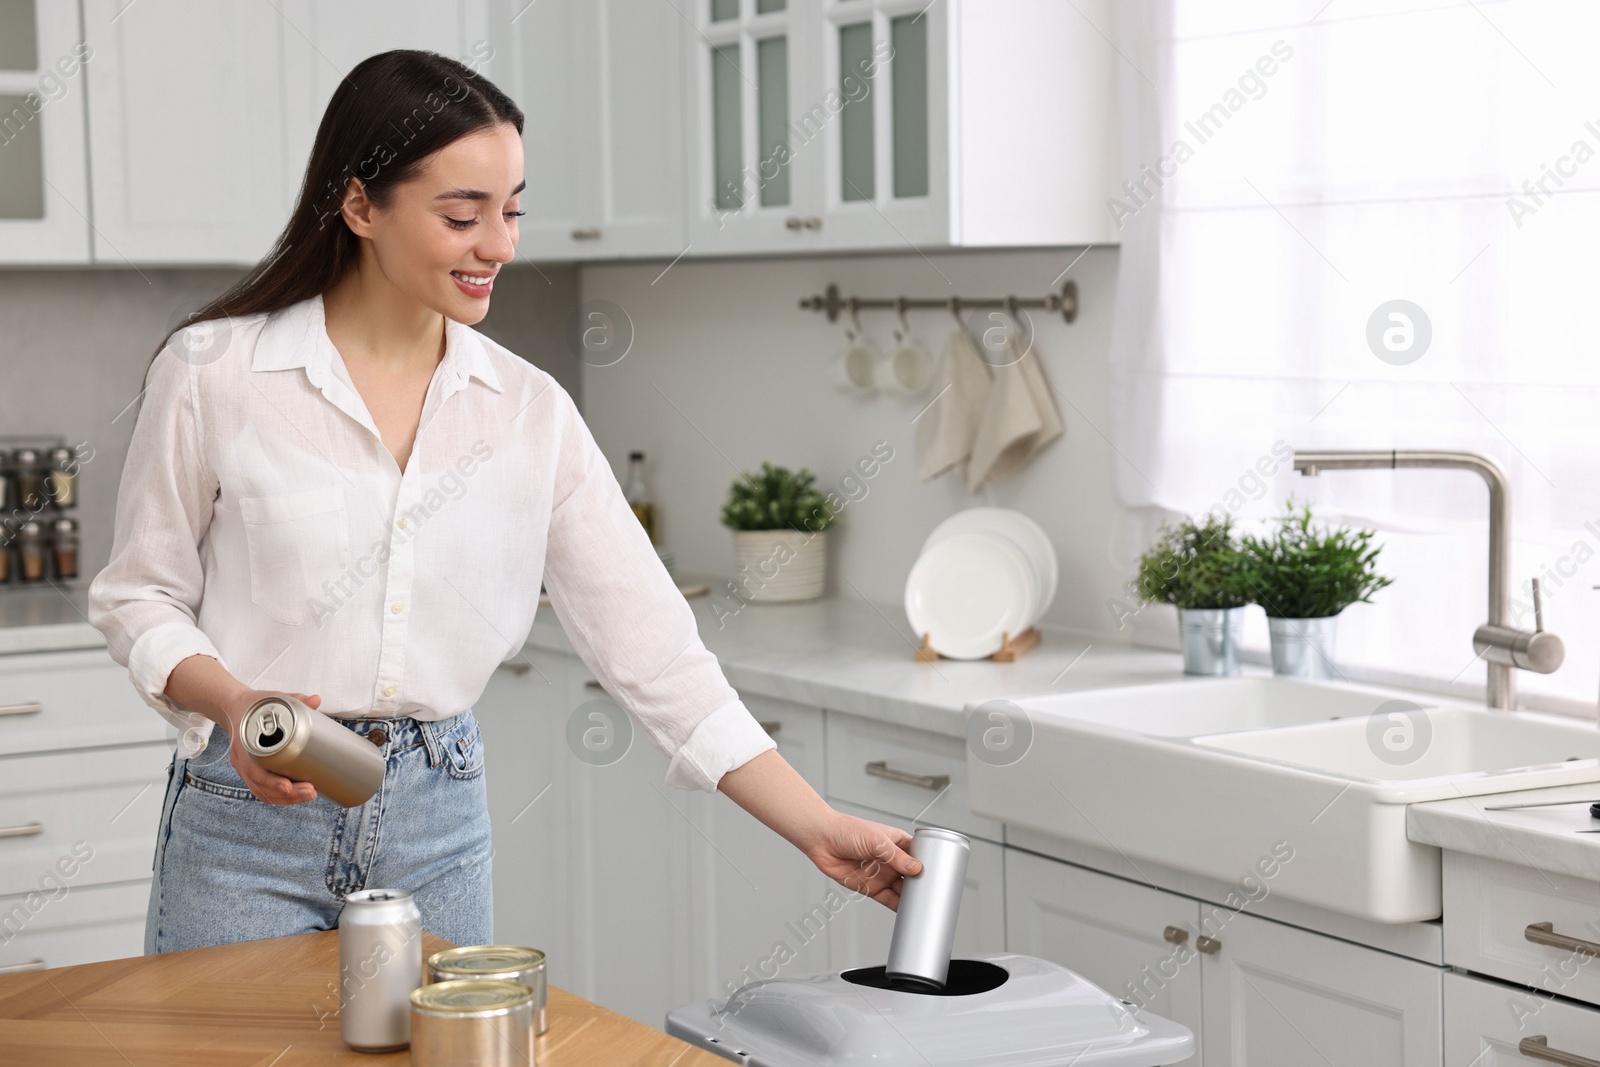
x,y
296,542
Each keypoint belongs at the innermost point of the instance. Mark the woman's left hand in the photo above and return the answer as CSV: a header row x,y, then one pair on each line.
x,y
865,857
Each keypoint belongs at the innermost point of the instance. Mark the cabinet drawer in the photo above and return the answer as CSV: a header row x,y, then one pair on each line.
x,y
62,700
90,813
79,926
1485,1024
912,773
1492,912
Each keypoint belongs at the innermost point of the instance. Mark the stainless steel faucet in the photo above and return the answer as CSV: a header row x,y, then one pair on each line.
x,y
1501,645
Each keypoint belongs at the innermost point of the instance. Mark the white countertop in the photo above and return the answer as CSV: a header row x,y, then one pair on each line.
x,y
1542,838
45,619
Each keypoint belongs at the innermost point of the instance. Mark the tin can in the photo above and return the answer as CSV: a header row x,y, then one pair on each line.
x,y
284,735
380,963
476,1022
925,923
513,963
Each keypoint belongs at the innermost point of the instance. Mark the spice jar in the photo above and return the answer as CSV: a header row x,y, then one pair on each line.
x,y
7,534
63,477
65,543
31,551
29,479
8,500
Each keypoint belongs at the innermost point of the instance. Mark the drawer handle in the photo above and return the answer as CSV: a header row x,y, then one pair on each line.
x,y
22,968
33,707
881,769
515,668
593,684
586,233
1209,945
27,829
1176,935
1544,934
1538,1048
771,726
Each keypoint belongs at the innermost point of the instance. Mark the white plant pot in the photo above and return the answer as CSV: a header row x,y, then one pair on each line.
x,y
777,565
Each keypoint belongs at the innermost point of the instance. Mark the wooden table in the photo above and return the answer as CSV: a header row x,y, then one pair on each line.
x,y
271,1003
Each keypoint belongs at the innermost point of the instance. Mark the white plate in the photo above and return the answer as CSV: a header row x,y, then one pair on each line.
x,y
1019,528
967,591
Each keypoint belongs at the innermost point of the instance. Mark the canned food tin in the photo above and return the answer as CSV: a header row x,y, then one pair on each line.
x,y
514,963
380,963
284,735
925,923
476,1022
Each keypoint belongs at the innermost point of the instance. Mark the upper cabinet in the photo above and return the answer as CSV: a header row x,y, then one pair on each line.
x,y
44,195
880,124
600,84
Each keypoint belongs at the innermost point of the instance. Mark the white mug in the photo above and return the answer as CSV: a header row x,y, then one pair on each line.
x,y
907,370
855,369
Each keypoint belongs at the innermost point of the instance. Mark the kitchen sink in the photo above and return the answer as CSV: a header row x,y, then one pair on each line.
x,y
1222,777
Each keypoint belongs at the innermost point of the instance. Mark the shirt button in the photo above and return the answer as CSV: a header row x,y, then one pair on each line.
x,y
388,690
397,607
401,524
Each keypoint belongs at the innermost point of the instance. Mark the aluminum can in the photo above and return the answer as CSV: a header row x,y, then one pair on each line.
x,y
511,963
380,963
475,1022
284,735
925,923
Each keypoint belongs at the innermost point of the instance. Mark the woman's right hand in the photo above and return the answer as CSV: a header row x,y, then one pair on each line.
x,y
268,786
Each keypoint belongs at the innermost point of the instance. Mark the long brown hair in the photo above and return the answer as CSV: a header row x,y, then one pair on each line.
x,y
388,114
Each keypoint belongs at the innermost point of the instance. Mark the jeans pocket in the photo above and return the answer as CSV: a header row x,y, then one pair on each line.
x,y
463,749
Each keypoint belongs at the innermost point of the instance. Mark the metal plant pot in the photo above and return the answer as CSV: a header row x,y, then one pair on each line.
x,y
1210,639
1303,648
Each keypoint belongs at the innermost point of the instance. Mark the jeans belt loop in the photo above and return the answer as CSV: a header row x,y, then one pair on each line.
x,y
430,741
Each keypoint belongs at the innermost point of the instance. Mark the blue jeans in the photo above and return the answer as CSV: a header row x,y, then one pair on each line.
x,y
229,867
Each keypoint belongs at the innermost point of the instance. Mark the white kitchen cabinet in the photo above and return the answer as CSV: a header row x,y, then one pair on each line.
x,y
44,176
600,86
1487,1024
858,936
83,924
522,715
763,908
187,130
886,124
53,701
1273,993
1133,941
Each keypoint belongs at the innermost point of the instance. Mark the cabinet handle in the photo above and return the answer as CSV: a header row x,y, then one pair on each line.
x,y
1177,935
27,829
22,968
812,223
1538,1048
881,769
772,727
31,708
793,222
1209,945
515,668
594,684
1544,934
586,233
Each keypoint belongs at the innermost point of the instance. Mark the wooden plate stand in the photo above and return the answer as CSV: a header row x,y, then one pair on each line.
x,y
1010,647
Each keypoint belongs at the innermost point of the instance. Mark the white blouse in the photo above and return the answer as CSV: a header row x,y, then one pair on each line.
x,y
262,521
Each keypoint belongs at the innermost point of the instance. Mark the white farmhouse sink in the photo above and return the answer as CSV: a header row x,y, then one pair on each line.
x,y
1211,776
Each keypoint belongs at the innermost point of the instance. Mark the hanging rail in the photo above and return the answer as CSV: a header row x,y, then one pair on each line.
x,y
1064,302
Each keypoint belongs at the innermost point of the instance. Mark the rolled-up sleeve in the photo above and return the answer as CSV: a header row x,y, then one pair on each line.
x,y
630,625
146,600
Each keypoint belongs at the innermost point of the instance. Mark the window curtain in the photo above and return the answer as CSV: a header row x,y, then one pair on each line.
x,y
1369,225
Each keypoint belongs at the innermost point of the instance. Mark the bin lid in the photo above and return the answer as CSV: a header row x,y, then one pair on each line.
x,y
1038,1015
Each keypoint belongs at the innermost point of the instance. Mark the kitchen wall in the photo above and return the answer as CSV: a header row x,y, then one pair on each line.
x,y
726,370
77,343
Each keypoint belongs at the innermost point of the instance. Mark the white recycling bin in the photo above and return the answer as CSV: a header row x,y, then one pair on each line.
x,y
996,1010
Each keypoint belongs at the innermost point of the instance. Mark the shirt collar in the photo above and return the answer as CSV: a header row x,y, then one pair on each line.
x,y
297,336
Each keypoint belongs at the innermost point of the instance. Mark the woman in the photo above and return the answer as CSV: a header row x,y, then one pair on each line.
x,y
336,485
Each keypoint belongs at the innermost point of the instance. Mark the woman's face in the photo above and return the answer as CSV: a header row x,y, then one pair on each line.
x,y
450,228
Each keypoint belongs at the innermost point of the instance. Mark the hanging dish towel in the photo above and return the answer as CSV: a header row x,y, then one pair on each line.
x,y
1020,418
946,427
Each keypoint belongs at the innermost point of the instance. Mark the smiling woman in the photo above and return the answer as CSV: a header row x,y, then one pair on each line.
x,y
295,515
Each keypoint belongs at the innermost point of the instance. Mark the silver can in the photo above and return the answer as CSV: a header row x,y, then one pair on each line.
x,y
472,1023
380,963
290,738
511,963
925,923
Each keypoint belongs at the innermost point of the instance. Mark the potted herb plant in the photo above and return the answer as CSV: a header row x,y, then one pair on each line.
x,y
1197,567
1303,576
779,522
